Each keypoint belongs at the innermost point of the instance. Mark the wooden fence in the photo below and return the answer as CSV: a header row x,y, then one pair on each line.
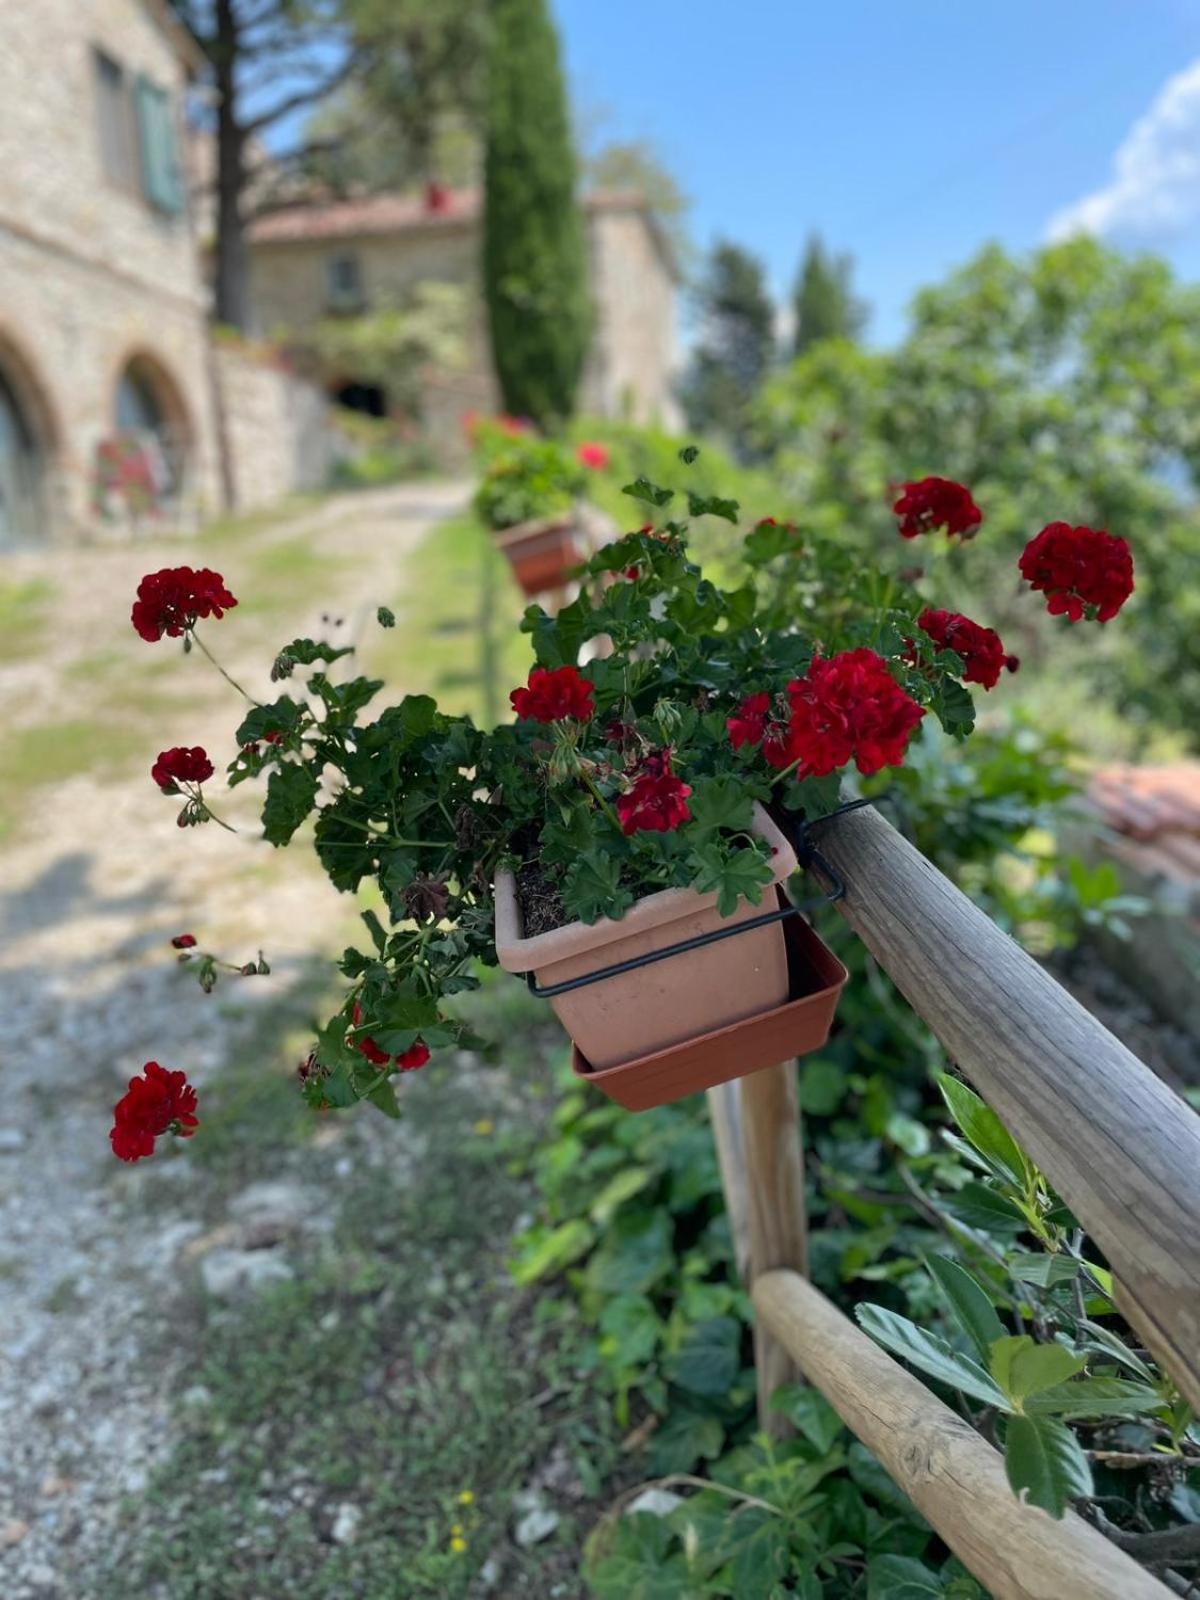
x,y
1120,1147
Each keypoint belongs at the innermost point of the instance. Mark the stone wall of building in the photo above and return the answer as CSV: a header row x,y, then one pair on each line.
x,y
91,275
631,368
276,425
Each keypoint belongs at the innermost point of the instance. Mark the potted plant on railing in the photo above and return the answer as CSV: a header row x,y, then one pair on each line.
x,y
531,498
641,803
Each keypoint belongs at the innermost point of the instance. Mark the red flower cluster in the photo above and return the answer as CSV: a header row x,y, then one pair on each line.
x,y
155,1103
1086,572
172,600
595,456
184,941
553,695
749,721
409,1060
181,765
937,503
981,649
657,802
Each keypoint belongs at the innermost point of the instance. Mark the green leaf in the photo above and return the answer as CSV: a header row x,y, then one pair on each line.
x,y
980,1207
759,1543
973,1311
281,716
822,1086
901,1578
1094,1397
739,876
620,1188
816,797
291,795
1045,1463
643,489
984,1129
544,1254
592,889
385,617
931,1354
686,1437
1044,1270
375,929
719,803
709,1360
688,454
1021,1367
631,1320
636,1563
303,652
954,708
637,1251
711,505
809,1411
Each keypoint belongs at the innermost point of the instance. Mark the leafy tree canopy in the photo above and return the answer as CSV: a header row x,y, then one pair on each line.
x,y
823,302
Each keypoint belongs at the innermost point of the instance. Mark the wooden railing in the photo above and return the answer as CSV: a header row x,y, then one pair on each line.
x,y
1120,1147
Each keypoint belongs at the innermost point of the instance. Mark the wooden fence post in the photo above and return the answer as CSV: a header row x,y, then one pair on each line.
x,y
776,1212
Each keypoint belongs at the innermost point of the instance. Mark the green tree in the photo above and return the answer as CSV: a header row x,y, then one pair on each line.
x,y
1065,385
534,255
277,56
634,165
824,303
736,347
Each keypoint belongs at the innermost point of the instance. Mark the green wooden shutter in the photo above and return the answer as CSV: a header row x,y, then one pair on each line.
x,y
162,178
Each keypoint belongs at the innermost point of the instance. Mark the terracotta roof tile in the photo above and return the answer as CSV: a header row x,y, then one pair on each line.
x,y
1155,813
382,214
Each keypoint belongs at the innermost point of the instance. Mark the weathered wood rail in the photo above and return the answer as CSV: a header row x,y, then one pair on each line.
x,y
1120,1147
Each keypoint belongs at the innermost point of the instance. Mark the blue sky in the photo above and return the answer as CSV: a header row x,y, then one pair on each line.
x,y
906,131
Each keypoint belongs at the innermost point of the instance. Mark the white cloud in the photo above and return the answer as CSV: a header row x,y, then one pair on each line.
x,y
1154,193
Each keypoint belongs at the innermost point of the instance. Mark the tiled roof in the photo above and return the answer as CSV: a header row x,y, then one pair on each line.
x,y
377,214
1155,813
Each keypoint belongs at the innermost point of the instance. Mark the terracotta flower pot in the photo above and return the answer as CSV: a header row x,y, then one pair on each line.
x,y
668,1002
799,1026
543,552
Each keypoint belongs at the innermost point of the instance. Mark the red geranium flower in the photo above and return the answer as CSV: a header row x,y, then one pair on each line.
x,y
184,941
155,1103
849,708
595,456
749,722
937,503
981,648
181,765
409,1060
657,802
1086,572
172,600
552,696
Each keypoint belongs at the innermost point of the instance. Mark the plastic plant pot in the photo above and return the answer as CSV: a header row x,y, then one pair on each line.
x,y
544,553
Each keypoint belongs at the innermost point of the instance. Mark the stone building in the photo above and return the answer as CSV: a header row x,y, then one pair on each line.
x,y
105,379
313,261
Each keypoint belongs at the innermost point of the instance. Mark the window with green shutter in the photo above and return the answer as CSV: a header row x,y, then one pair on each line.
x,y
162,175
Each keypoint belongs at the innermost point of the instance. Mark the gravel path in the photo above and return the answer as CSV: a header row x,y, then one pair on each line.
x,y
96,1259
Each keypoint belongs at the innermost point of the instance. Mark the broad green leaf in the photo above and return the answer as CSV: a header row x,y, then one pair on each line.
x,y
551,1252
631,1320
637,1251
931,1354
822,1086
734,877
686,1437
291,795
634,1561
592,889
1094,1397
719,803
623,1186
980,1207
1021,1367
759,1545
651,493
709,1361
901,1578
1045,1463
1105,1342
689,453
1043,1269
984,1129
973,1311
711,505
809,1411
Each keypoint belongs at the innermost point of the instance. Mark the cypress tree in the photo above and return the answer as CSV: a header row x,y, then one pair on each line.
x,y
534,254
824,302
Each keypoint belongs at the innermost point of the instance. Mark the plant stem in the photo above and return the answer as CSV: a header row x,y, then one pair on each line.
x,y
232,681
604,805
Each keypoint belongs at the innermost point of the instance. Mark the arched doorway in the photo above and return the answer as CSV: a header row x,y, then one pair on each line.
x,y
23,461
150,448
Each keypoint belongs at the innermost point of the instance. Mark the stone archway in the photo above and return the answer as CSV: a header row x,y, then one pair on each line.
x,y
148,412
28,448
